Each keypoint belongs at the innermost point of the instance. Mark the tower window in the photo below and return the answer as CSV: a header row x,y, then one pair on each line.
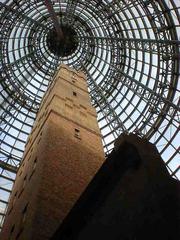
x,y
12,229
19,234
34,168
23,186
23,219
75,94
77,133
20,173
24,213
24,182
35,163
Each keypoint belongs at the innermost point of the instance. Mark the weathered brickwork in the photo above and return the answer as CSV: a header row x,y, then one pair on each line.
x,y
62,155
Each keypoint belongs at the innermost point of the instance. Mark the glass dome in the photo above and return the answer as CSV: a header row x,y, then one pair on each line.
x,y
130,52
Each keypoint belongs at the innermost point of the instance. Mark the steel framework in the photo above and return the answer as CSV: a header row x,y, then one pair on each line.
x,y
130,52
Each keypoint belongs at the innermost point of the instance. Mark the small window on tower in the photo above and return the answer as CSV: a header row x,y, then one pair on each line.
x,y
20,173
22,221
24,213
77,133
24,182
33,168
35,163
23,186
12,229
75,94
19,234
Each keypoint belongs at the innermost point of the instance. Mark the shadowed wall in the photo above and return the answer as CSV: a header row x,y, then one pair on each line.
x,y
131,197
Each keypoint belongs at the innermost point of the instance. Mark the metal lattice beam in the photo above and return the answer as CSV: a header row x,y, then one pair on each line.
x,y
130,52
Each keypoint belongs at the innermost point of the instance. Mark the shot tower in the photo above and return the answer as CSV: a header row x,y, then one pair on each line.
x,y
62,155
130,52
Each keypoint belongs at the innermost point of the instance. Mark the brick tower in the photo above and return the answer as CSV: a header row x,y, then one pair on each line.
x,y
63,153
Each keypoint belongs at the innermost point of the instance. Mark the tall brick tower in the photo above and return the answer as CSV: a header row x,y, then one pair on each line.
x,y
63,153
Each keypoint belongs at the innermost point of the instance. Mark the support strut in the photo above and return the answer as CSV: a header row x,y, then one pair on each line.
x,y
54,18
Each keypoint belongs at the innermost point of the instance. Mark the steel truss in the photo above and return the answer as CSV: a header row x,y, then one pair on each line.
x,y
130,52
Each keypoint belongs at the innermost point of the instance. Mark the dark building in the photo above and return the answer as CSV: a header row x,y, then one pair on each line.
x,y
128,53
131,197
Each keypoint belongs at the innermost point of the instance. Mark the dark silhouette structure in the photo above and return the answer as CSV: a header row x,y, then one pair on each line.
x,y
131,197
129,51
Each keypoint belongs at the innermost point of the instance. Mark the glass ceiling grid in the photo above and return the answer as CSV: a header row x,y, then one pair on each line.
x,y
129,51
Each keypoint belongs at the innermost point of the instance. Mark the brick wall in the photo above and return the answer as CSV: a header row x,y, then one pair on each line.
x,y
63,153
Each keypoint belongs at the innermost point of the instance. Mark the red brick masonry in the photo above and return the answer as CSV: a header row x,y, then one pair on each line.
x,y
62,155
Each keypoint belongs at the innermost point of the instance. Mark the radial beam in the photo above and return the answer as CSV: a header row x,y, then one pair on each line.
x,y
127,79
8,167
107,109
19,13
54,18
70,11
16,62
99,39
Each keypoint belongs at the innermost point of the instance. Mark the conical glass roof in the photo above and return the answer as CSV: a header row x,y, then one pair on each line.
x,y
128,49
